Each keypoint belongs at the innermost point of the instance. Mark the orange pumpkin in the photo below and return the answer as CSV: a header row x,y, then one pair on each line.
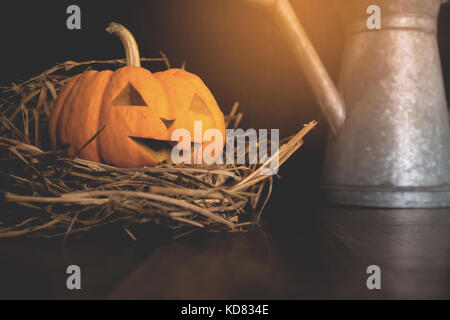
x,y
133,111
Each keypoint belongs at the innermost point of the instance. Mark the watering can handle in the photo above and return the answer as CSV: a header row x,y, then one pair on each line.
x,y
324,89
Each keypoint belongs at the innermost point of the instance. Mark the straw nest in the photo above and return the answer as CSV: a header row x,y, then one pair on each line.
x,y
48,194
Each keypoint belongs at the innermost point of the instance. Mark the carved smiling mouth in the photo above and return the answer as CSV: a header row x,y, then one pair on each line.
x,y
161,150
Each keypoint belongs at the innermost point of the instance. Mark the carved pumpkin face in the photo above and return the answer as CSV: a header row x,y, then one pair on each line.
x,y
191,101
137,110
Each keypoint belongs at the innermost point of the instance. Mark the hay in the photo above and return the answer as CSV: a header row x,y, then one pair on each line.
x,y
48,194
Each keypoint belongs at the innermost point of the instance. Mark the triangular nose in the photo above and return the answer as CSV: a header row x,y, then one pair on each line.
x,y
167,123
129,96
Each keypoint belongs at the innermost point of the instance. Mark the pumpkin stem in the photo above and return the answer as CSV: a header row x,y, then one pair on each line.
x,y
128,41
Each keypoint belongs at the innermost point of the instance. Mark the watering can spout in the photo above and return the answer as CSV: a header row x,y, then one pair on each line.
x,y
325,91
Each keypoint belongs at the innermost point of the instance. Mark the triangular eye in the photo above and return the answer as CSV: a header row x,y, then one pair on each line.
x,y
199,106
129,96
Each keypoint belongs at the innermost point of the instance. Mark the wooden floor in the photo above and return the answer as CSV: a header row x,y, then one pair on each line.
x,y
324,260
323,256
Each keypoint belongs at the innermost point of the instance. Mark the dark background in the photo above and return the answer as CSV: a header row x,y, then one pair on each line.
x,y
234,46
240,53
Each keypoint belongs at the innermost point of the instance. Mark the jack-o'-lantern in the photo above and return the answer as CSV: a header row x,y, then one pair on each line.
x,y
133,111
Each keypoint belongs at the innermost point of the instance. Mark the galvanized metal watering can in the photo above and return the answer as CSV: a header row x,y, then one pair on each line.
x,y
390,140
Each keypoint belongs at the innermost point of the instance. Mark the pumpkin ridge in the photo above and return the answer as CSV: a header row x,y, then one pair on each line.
x,y
66,108
68,132
87,115
57,108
